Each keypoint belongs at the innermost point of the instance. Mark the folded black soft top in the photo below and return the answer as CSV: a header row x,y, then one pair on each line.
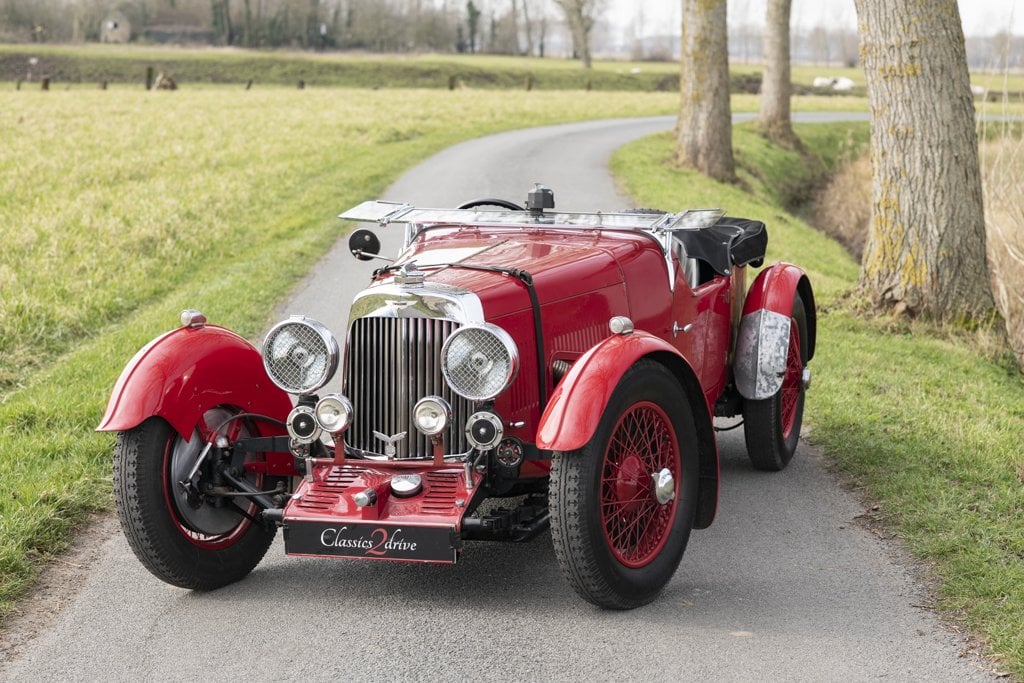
x,y
730,241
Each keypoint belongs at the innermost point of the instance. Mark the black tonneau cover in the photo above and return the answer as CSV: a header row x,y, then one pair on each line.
x,y
738,241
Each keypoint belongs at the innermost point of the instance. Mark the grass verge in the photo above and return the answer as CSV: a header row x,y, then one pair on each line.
x,y
117,212
930,427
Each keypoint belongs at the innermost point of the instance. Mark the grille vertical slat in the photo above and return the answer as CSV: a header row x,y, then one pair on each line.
x,y
391,363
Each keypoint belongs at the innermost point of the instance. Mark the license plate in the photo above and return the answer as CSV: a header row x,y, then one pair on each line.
x,y
371,541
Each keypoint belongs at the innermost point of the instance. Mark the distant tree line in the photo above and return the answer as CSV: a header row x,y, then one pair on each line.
x,y
519,27
513,27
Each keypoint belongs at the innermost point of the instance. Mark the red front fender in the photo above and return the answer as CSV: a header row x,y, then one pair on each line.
x,y
182,374
579,401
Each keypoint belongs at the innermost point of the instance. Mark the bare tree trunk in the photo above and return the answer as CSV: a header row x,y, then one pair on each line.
x,y
926,246
580,16
704,129
514,20
528,26
247,25
776,86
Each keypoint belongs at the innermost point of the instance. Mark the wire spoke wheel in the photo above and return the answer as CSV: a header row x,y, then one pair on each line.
x,y
623,505
791,393
772,426
642,445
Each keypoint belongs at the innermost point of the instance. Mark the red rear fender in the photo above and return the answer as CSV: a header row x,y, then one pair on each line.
x,y
762,340
183,373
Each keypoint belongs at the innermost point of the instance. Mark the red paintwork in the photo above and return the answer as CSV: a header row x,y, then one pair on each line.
x,y
578,402
183,373
636,526
773,289
579,276
329,497
564,262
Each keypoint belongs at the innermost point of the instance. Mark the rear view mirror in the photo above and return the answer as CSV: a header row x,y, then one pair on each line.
x,y
364,245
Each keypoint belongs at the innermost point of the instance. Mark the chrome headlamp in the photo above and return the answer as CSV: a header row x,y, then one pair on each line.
x,y
333,413
431,415
300,355
479,361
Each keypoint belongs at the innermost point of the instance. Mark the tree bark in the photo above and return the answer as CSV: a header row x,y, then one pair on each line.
x,y
580,16
704,129
926,245
776,86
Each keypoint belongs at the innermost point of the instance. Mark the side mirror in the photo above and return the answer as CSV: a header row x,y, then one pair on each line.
x,y
364,245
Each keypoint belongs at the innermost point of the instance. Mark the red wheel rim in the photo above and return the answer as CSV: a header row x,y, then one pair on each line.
x,y
792,381
198,538
636,525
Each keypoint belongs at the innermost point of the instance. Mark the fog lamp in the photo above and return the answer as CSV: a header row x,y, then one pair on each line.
x,y
334,413
431,415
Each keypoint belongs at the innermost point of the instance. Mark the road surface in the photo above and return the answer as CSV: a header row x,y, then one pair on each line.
x,y
786,585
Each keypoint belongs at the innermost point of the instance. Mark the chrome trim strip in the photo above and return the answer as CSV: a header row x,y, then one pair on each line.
x,y
430,300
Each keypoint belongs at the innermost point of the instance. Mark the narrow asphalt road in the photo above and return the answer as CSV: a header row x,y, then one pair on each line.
x,y
786,585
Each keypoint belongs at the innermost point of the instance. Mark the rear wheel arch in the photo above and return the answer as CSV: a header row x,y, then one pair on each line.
x,y
806,292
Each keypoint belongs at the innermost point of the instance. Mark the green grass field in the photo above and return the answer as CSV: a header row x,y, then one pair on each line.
x,y
927,422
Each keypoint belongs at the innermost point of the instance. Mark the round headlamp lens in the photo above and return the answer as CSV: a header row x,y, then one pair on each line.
x,y
431,415
300,355
334,413
479,361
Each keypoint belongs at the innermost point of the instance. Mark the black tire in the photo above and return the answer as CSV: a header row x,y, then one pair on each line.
x,y
164,540
772,426
648,402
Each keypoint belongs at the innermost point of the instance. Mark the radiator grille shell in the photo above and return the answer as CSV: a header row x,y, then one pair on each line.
x,y
390,363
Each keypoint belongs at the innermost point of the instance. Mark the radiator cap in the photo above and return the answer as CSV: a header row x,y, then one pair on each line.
x,y
406,485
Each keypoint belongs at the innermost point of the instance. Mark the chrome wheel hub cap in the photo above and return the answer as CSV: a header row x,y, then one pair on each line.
x,y
664,486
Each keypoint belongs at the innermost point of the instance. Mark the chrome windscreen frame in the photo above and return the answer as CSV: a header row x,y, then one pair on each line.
x,y
659,226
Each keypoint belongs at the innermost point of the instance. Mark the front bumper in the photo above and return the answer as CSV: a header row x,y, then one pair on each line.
x,y
323,519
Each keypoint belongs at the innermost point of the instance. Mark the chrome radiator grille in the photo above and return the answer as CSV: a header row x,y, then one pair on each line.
x,y
390,363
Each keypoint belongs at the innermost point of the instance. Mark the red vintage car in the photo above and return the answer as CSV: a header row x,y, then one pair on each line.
x,y
515,369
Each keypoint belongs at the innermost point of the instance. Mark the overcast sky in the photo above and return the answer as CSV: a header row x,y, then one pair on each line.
x,y
980,17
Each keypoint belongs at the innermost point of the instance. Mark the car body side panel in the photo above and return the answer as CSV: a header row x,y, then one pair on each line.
x,y
183,373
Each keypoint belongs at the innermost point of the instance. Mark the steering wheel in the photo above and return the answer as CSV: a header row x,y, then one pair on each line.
x,y
490,201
